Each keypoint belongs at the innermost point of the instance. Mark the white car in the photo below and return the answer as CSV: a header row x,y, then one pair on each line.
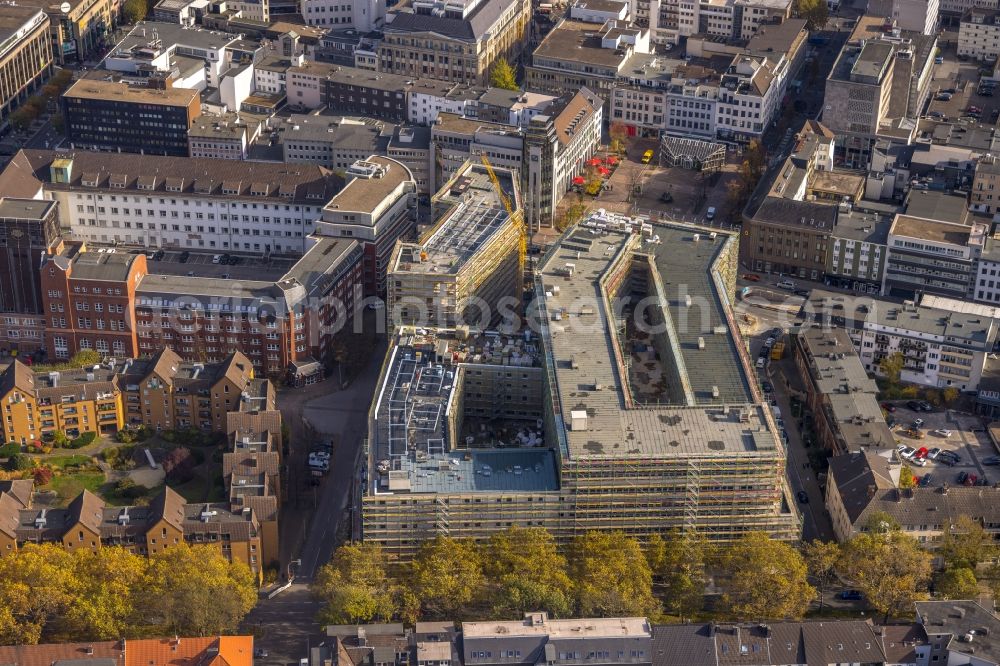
x,y
216,258
906,451
786,284
919,462
942,432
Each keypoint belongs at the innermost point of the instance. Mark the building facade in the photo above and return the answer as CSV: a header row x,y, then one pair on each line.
x,y
25,56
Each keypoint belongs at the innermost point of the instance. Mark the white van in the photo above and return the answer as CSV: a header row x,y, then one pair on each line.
x,y
786,284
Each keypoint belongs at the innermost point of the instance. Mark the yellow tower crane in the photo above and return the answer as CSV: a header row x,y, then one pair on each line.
x,y
505,201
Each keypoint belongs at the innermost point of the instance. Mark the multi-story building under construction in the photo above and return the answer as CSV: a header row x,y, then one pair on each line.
x,y
630,404
471,259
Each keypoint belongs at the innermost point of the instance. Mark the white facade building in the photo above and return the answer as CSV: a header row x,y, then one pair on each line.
x,y
156,45
731,19
979,35
916,15
361,15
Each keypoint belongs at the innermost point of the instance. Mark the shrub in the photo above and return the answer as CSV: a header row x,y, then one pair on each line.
x,y
125,436
10,449
129,489
19,463
42,475
83,440
179,465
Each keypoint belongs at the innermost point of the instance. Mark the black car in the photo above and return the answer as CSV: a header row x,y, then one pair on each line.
x,y
925,480
224,259
767,388
914,405
991,461
666,197
234,260
962,476
159,254
185,255
803,497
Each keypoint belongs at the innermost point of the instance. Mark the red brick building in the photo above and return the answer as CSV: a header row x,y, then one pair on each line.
x,y
88,299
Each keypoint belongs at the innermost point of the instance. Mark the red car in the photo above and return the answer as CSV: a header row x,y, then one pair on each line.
x,y
889,408
753,277
921,452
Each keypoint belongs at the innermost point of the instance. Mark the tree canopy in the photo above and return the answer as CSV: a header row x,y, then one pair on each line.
x,y
526,573
679,575
447,576
355,587
612,576
889,567
51,593
503,75
766,579
821,562
815,12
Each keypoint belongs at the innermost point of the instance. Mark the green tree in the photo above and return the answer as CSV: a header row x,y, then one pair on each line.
x,y
503,76
949,395
612,576
59,439
965,544
821,562
889,567
134,10
447,576
679,571
891,367
619,138
764,579
111,580
526,573
815,12
195,591
354,586
881,522
84,358
38,587
906,477
957,583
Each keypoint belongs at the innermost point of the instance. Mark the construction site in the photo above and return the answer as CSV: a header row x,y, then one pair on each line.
x,y
469,261
562,426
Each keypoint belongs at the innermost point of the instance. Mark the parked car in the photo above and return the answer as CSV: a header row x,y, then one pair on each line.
x,y
786,284
766,387
888,407
919,462
970,480
914,405
216,258
925,406
962,477
761,362
185,255
906,451
260,652
918,423
851,595
710,213
991,461
921,453
933,453
803,497
666,197
647,157
159,254
942,432
752,277
925,480
777,332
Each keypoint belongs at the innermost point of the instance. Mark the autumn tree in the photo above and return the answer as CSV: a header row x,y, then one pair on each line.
x,y
891,367
111,581
679,571
619,137
354,586
446,576
134,10
965,544
612,576
196,591
815,12
503,75
906,479
889,567
38,587
178,465
821,562
949,395
764,579
525,572
957,583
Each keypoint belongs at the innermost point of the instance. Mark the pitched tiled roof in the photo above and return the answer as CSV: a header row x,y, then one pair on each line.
x,y
207,651
100,652
86,509
248,463
10,513
19,376
20,490
257,422
169,506
859,476
265,508
165,364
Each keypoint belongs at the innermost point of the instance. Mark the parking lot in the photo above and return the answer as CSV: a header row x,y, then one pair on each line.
x,y
200,264
967,438
962,76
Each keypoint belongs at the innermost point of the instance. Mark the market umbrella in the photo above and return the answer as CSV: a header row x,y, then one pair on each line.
x,y
578,180
604,171
596,161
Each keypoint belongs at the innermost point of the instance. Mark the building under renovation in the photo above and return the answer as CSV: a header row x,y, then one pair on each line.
x,y
463,267
629,405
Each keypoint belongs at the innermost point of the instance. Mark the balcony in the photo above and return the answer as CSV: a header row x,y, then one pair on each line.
x,y
106,418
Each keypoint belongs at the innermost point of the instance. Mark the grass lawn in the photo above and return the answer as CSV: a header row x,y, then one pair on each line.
x,y
70,485
200,489
111,496
61,462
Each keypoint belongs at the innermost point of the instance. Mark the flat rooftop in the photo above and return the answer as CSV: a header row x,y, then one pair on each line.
x,y
12,19
605,627
477,470
931,230
713,408
474,214
580,42
169,35
369,184
25,209
122,92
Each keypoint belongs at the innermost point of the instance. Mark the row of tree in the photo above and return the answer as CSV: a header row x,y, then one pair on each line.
x,y
611,574
50,593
